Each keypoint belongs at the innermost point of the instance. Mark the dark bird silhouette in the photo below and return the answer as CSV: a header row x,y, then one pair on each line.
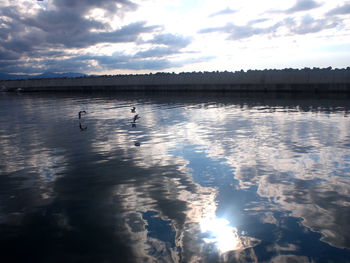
x,y
133,109
136,117
80,112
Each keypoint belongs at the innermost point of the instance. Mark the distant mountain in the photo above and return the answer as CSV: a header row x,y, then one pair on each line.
x,y
61,75
46,75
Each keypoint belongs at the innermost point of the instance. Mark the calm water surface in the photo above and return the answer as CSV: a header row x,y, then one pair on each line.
x,y
198,178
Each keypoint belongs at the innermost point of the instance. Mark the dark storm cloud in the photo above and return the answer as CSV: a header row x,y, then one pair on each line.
x,y
19,66
132,62
8,55
303,5
226,11
107,61
73,64
64,29
340,10
44,41
83,63
128,33
51,53
142,60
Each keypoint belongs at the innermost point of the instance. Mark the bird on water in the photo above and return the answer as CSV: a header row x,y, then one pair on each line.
x,y
133,109
80,112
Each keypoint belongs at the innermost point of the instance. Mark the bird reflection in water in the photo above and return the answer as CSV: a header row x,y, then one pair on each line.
x,y
133,123
82,127
136,117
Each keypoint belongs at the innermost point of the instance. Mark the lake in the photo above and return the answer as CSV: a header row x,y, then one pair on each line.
x,y
199,177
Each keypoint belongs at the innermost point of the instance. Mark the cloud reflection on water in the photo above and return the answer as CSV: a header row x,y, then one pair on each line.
x,y
261,165
274,150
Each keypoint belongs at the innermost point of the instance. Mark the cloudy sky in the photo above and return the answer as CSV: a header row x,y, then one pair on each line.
x,y
142,36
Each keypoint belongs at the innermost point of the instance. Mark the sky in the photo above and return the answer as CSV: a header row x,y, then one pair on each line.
x,y
143,36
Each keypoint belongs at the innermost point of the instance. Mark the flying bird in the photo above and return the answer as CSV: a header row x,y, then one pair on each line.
x,y
136,117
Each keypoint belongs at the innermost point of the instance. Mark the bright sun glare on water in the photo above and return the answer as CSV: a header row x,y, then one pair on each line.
x,y
224,236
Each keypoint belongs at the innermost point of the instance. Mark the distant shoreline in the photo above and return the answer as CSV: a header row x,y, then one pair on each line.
x,y
287,80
